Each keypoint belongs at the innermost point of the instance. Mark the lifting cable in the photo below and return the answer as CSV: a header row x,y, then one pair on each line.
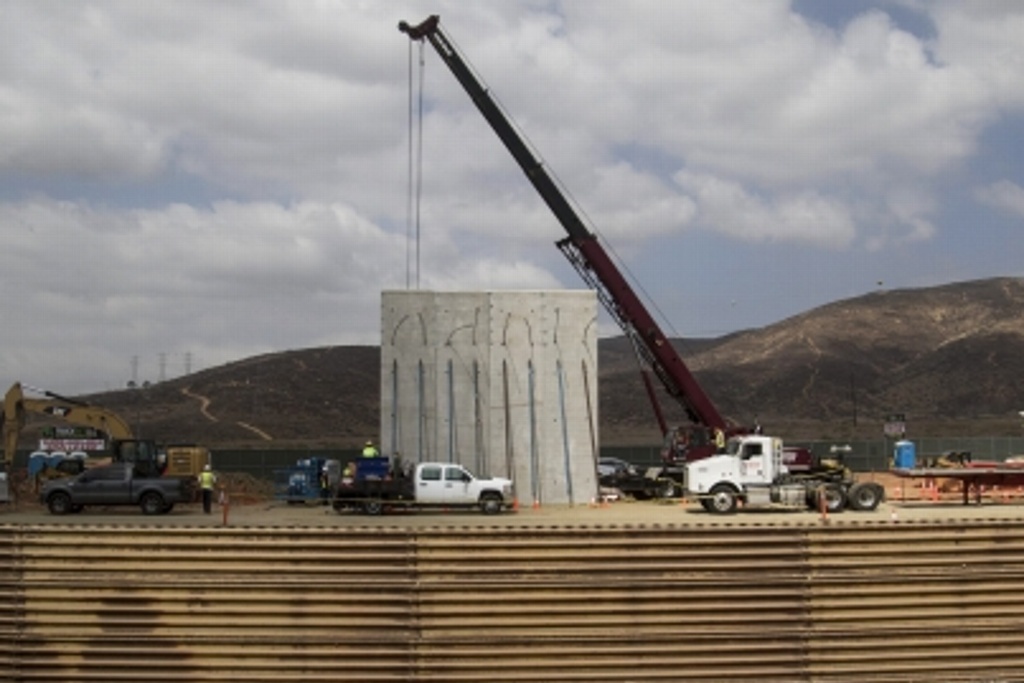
x,y
415,170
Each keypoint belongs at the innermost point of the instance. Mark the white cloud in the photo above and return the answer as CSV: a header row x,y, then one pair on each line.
x,y
727,207
232,178
1004,195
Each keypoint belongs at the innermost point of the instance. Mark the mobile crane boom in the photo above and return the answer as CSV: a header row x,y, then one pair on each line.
x,y
584,251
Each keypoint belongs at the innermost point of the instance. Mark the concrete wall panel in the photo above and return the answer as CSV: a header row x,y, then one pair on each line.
x,y
501,382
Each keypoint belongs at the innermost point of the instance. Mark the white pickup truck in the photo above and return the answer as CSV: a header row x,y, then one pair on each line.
x,y
378,483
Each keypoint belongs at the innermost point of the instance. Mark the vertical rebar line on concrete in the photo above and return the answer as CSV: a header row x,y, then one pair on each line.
x,y
477,424
594,454
394,407
508,420
534,483
565,430
451,411
421,408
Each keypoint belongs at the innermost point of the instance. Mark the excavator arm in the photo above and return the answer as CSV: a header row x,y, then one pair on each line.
x,y
17,407
587,255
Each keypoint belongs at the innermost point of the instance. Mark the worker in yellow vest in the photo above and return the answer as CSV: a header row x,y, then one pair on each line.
x,y
207,480
370,451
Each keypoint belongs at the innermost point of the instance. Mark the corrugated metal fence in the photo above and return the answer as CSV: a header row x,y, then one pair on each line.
x,y
892,602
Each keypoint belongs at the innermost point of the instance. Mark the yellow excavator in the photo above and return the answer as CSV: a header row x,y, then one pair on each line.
x,y
178,461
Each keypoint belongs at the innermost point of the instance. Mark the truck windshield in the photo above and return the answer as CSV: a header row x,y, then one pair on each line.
x,y
734,446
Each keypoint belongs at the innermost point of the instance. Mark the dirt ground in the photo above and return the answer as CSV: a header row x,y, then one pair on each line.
x,y
906,501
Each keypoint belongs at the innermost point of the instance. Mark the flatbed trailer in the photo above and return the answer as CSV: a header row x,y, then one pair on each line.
x,y
974,476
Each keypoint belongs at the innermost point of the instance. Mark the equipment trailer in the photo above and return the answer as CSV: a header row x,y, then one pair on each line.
x,y
976,476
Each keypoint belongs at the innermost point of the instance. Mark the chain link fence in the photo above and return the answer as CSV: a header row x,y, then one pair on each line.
x,y
863,456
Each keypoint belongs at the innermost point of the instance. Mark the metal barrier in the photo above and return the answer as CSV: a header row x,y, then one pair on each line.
x,y
879,602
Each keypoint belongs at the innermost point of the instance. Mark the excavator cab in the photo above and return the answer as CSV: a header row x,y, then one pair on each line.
x,y
148,460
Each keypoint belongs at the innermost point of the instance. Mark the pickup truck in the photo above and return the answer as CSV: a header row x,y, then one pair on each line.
x,y
116,484
380,483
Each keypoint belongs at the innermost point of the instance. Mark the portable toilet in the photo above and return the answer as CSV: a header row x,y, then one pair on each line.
x,y
905,456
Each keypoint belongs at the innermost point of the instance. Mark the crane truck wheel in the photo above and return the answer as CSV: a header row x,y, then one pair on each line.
x,y
59,503
668,489
835,497
723,500
373,508
865,496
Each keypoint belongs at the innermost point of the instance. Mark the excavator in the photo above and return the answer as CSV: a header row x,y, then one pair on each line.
x,y
149,459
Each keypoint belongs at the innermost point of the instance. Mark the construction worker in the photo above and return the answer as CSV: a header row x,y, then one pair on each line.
x,y
207,480
370,451
325,483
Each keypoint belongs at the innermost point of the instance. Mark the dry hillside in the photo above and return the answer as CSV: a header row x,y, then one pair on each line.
x,y
947,357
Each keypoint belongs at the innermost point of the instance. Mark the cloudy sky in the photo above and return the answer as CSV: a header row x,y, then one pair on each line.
x,y
183,184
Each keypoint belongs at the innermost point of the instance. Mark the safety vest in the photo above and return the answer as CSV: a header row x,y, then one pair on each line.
x,y
207,479
370,452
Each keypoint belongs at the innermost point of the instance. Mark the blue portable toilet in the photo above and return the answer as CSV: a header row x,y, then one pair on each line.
x,y
905,457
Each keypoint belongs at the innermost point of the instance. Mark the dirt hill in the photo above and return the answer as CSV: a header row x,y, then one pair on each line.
x,y
947,357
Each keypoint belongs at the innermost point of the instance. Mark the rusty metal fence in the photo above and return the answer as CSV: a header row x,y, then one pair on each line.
x,y
844,602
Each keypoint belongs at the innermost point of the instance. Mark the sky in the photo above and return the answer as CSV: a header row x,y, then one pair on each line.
x,y
187,184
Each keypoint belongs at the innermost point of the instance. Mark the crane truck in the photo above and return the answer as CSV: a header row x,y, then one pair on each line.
x,y
147,457
707,433
708,430
752,472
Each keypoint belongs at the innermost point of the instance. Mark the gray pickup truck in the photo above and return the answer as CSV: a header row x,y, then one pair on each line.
x,y
115,484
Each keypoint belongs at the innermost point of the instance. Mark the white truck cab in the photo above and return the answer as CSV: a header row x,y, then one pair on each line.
x,y
753,471
453,485
747,461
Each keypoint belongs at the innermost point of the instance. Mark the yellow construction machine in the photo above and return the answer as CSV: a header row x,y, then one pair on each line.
x,y
178,461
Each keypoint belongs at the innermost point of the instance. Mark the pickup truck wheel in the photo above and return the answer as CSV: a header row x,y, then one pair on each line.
x,y
865,496
490,503
152,503
59,503
373,507
723,500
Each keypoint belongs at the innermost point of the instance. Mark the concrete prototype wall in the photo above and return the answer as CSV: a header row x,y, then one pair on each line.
x,y
504,383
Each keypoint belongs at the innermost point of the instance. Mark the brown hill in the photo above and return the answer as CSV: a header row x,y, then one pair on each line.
x,y
947,357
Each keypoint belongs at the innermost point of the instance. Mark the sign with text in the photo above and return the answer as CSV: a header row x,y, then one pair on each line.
x,y
68,445
896,425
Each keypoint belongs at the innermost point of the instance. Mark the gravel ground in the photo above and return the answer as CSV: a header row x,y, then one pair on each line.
x,y
275,513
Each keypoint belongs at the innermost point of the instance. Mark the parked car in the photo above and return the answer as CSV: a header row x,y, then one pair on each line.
x,y
611,467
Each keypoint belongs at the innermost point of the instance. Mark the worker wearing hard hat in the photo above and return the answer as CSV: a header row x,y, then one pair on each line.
x,y
370,451
207,480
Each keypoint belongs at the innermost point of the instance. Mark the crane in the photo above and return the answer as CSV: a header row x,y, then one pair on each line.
x,y
708,427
